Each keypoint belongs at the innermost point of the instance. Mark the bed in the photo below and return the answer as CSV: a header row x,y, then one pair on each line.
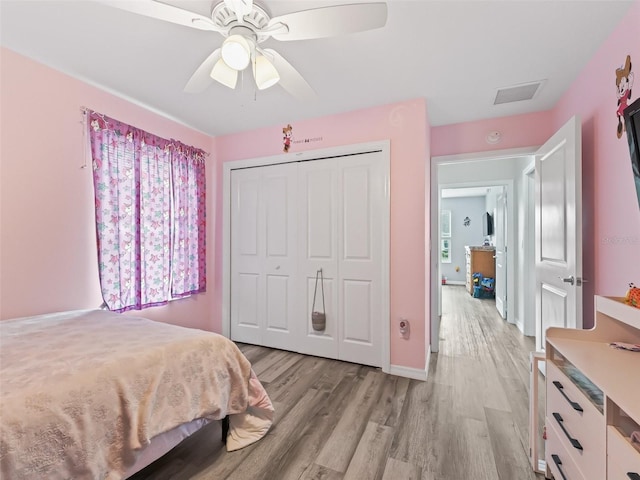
x,y
88,394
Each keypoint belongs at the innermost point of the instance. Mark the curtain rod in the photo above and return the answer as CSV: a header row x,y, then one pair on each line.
x,y
84,110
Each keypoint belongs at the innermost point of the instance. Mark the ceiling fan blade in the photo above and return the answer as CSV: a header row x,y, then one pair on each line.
x,y
331,21
201,78
290,78
163,11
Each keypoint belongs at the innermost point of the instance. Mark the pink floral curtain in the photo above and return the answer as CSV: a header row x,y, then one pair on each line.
x,y
188,265
150,215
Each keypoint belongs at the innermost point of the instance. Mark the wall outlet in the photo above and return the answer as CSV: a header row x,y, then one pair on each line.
x,y
404,328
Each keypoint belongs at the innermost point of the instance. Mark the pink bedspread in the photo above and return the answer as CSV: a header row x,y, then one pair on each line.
x,y
82,392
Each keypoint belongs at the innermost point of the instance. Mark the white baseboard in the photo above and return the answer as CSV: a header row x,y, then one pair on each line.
x,y
415,373
409,372
455,282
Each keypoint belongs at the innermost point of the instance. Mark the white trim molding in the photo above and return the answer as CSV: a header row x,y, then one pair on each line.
x,y
410,372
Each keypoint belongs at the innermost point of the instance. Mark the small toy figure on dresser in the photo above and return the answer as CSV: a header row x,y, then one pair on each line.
x,y
633,296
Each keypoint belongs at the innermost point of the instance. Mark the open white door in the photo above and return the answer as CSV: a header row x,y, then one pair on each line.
x,y
501,254
558,216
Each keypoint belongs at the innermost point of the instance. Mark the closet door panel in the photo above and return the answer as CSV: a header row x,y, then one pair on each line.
x,y
263,256
277,193
279,197
320,211
318,225
357,311
246,202
249,288
278,318
361,195
247,257
356,220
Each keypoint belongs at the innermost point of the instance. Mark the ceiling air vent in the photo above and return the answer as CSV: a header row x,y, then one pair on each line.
x,y
517,93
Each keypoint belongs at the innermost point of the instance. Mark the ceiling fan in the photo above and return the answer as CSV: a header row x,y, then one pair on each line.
x,y
245,25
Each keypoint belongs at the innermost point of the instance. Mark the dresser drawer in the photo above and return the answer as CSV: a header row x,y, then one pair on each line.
x,y
580,425
622,458
559,462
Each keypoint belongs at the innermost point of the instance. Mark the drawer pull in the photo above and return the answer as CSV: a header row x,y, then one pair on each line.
x,y
633,476
574,442
558,462
575,405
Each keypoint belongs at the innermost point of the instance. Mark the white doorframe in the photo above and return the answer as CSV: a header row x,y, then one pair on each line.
x,y
529,308
227,167
435,215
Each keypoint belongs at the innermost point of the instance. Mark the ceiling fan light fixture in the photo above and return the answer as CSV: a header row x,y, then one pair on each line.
x,y
236,52
265,73
224,74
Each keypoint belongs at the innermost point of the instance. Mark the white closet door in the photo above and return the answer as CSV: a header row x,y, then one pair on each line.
x,y
247,256
263,258
280,199
361,196
288,222
318,249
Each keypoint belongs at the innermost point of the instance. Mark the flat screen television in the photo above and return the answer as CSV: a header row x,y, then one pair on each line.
x,y
487,224
632,124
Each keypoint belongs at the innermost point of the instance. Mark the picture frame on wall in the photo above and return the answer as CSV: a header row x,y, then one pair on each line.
x,y
445,223
445,250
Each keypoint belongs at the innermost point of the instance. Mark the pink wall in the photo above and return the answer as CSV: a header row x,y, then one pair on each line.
x,y
47,236
47,240
527,130
611,216
406,125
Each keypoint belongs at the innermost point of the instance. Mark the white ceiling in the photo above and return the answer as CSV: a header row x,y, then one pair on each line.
x,y
453,53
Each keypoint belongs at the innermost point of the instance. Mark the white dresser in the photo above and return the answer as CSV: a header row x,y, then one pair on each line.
x,y
593,397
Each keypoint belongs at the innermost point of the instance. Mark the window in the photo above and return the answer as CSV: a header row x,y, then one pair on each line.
x,y
445,234
445,250
150,215
445,223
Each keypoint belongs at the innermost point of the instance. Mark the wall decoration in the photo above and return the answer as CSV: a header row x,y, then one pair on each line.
x,y
445,223
308,140
466,221
624,82
445,250
287,132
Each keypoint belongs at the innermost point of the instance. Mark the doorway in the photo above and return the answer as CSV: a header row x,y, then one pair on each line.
x,y
502,169
473,249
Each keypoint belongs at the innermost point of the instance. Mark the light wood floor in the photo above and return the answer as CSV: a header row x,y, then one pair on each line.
x,y
340,421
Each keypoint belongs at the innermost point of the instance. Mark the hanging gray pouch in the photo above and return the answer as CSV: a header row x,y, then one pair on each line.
x,y
318,319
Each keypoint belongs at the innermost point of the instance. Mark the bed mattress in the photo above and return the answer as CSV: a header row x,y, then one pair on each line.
x,y
83,393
